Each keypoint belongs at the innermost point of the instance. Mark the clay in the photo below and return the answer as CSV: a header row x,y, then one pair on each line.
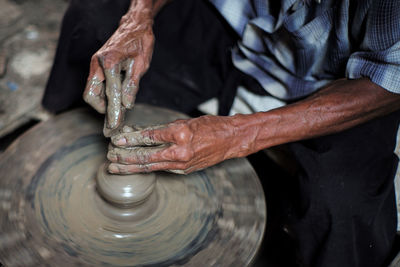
x,y
114,96
215,217
66,198
96,96
129,88
129,214
124,190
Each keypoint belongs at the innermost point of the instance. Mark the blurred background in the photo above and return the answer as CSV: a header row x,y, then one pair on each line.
x,y
28,37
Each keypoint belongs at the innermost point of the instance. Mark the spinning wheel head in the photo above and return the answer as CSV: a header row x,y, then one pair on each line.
x,y
55,215
124,190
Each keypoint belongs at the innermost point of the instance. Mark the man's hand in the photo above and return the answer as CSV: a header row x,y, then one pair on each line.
x,y
115,70
182,146
185,146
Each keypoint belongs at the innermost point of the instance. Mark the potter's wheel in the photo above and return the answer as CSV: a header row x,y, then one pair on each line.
x,y
51,214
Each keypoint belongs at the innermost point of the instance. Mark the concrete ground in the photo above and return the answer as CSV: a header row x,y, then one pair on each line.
x,y
28,37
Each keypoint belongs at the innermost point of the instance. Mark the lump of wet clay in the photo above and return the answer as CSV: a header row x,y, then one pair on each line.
x,y
124,190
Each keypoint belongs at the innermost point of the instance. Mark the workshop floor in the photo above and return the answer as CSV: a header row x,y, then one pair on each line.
x,y
28,38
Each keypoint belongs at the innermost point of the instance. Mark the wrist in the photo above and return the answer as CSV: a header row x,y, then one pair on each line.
x,y
254,132
140,13
243,135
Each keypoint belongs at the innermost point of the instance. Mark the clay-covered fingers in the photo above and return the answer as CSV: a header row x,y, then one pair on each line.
x,y
136,67
151,136
94,93
157,148
178,168
138,155
129,85
166,152
114,95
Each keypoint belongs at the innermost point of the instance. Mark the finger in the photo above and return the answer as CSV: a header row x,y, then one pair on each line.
x,y
148,155
127,129
94,90
113,93
129,88
150,136
177,171
142,61
108,132
137,155
134,128
144,168
180,171
138,70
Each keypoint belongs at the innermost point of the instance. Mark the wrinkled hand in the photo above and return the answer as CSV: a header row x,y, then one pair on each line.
x,y
116,68
182,146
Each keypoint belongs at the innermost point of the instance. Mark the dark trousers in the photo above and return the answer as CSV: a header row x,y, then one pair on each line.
x,y
345,210
346,213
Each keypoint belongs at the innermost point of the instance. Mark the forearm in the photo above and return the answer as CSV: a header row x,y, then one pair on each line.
x,y
143,8
189,145
337,107
158,4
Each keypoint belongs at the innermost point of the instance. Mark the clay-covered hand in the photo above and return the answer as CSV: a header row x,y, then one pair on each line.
x,y
182,146
116,68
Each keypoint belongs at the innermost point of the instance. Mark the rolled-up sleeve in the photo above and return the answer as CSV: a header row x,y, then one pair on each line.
x,y
378,56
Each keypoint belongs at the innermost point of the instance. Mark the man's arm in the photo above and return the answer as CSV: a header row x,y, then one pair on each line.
x,y
158,4
139,7
128,50
337,107
201,142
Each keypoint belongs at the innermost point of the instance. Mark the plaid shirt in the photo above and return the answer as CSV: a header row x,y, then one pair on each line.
x,y
294,47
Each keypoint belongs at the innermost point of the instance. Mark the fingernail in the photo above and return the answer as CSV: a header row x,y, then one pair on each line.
x,y
127,129
112,168
120,142
112,156
129,105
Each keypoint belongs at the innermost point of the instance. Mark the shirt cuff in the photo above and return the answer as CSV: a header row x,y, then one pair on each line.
x,y
383,73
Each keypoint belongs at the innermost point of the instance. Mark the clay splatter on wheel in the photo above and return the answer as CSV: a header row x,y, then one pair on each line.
x,y
51,210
